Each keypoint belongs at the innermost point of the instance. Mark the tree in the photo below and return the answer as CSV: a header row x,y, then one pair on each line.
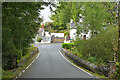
x,y
20,23
95,17
64,12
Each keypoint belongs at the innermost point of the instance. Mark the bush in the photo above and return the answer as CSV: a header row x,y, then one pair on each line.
x,y
101,46
67,45
39,39
61,28
118,70
66,33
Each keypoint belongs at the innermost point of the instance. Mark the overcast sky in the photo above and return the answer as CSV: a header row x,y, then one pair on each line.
x,y
46,13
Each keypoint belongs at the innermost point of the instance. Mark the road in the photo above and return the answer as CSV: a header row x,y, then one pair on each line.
x,y
50,64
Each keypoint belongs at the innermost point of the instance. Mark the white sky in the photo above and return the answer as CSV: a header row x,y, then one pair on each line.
x,y
46,13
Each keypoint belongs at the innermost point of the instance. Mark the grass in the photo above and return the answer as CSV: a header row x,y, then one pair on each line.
x,y
15,72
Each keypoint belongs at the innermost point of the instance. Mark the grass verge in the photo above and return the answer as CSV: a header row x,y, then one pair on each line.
x,y
15,72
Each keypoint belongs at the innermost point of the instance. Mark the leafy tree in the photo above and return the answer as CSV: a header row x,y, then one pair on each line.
x,y
20,23
95,16
64,12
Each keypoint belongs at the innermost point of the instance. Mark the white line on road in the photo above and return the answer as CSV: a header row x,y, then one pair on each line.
x,y
74,64
28,65
33,60
20,74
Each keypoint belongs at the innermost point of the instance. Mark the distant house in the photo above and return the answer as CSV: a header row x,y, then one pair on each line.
x,y
73,30
46,38
41,32
58,34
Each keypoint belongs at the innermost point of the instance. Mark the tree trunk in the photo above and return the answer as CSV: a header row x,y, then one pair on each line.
x,y
13,62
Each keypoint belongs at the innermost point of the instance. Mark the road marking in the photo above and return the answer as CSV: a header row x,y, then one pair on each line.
x,y
28,65
20,74
74,64
33,60
23,71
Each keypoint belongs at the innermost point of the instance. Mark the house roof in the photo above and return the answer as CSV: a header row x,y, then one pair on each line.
x,y
41,29
75,24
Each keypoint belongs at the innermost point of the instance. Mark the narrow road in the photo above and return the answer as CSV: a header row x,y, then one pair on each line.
x,y
50,64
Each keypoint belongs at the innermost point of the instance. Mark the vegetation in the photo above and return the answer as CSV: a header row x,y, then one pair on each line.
x,y
12,73
97,50
100,20
95,16
50,27
66,33
20,24
118,70
64,12
39,39
67,45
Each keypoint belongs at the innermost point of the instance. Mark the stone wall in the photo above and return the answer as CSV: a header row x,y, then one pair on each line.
x,y
100,69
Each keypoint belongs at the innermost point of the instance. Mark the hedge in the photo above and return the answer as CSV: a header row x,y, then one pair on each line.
x,y
67,45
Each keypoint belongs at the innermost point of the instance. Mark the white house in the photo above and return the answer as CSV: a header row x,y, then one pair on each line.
x,y
40,32
57,34
73,30
46,38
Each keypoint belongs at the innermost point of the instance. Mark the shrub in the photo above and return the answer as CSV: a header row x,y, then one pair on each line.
x,y
101,46
67,45
39,39
118,70
61,28
66,33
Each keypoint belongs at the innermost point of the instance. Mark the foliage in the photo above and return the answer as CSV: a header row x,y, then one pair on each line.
x,y
101,47
95,16
30,49
118,70
20,24
67,45
39,39
27,59
66,33
48,26
64,12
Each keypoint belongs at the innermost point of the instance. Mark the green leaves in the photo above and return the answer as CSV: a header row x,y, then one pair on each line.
x,y
102,46
20,23
96,15
65,12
